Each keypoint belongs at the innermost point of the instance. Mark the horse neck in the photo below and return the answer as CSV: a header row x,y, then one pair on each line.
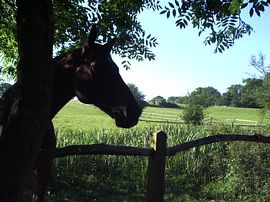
x,y
63,90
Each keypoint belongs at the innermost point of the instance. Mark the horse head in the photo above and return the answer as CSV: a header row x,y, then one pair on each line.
x,y
97,81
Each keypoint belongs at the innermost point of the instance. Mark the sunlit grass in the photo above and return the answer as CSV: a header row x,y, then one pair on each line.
x,y
238,115
77,116
217,172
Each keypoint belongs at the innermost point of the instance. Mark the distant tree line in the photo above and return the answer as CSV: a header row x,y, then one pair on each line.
x,y
162,102
253,93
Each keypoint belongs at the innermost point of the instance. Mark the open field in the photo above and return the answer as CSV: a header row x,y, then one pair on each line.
x,y
78,116
232,113
84,117
224,171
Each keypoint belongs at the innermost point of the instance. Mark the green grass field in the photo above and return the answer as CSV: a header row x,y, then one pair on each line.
x,y
237,171
77,116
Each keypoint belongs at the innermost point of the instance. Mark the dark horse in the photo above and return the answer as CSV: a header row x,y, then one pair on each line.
x,y
90,74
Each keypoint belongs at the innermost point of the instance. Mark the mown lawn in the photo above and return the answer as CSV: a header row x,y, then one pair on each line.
x,y
76,115
232,113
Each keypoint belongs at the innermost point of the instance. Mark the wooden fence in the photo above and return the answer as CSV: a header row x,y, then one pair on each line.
x,y
173,118
158,117
157,153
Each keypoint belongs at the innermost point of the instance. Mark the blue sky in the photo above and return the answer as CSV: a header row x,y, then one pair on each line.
x,y
184,63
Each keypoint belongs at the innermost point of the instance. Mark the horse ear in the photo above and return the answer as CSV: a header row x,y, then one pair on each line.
x,y
92,36
109,44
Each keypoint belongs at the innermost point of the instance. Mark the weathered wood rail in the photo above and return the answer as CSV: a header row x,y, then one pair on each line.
x,y
174,118
157,153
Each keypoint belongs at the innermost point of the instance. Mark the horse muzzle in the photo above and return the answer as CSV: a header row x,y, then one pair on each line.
x,y
125,117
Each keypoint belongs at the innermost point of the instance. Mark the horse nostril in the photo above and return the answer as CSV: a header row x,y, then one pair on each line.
x,y
120,112
126,117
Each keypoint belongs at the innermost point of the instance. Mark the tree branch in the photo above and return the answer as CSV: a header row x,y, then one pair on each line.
x,y
217,138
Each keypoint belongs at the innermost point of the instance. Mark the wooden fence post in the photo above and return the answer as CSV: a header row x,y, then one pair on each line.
x,y
156,169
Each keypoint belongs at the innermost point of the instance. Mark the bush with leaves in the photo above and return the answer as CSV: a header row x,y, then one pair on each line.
x,y
193,114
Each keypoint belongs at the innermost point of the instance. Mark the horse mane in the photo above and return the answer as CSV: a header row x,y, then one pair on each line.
x,y
8,96
65,60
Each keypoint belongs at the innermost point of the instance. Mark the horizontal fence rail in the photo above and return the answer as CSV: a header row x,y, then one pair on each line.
x,y
176,119
217,138
103,149
157,153
157,117
238,122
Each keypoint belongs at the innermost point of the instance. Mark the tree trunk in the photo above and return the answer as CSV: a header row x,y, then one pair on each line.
x,y
30,112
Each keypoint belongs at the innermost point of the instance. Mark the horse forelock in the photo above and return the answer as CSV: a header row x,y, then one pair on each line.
x,y
68,60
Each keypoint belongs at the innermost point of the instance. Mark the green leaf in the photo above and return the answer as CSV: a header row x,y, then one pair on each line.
x,y
244,5
251,11
177,3
261,7
185,22
265,3
168,14
162,12
257,12
171,5
174,12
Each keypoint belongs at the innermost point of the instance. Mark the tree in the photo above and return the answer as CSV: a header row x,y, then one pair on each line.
x,y
27,25
182,100
161,102
139,96
233,96
172,99
4,87
197,101
158,101
259,64
221,20
264,97
193,114
22,135
205,97
73,20
251,92
263,91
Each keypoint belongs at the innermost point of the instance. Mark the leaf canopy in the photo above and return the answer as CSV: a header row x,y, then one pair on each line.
x,y
220,20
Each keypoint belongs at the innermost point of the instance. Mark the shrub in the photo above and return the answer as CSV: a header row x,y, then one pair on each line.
x,y
193,114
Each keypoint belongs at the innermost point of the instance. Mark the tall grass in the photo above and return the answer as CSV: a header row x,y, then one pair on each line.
x,y
220,172
98,177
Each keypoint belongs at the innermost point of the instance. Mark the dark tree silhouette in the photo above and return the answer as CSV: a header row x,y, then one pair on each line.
x,y
22,135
